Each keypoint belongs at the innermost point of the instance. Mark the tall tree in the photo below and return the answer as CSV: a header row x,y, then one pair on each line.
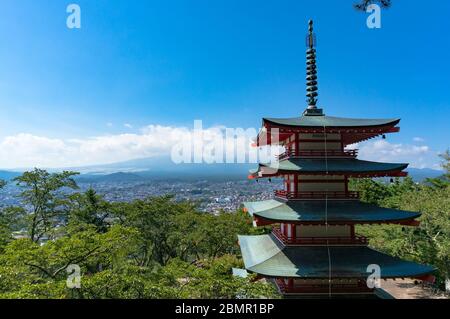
x,y
156,221
89,208
9,220
444,180
446,163
364,4
42,193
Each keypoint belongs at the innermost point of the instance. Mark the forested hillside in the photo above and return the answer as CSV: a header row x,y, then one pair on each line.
x,y
430,242
160,248
153,248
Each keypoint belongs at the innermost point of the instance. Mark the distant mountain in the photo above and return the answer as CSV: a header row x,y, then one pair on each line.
x,y
114,177
420,174
163,168
8,175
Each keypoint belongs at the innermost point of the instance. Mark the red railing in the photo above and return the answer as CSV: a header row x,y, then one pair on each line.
x,y
357,287
320,154
356,240
316,195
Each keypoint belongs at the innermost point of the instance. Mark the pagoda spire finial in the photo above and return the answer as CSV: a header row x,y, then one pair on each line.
x,y
311,72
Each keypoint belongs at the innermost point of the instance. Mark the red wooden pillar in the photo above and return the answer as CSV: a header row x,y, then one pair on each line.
x,y
269,136
346,185
290,284
297,144
352,231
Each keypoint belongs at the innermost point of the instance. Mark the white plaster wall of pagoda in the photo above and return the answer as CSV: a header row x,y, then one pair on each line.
x,y
321,177
315,136
319,146
322,231
289,231
321,187
309,282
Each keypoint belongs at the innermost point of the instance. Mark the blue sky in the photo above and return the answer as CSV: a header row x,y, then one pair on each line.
x,y
227,62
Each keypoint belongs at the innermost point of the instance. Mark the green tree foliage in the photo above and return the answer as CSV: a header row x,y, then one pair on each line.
x,y
446,163
364,4
375,191
212,279
430,242
11,219
25,266
151,248
176,230
161,248
444,180
41,191
161,236
89,208
218,233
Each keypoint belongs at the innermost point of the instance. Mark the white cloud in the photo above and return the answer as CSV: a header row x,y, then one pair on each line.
x,y
128,125
418,139
109,124
383,151
27,150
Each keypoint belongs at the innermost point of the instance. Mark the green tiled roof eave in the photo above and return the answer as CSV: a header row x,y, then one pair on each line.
x,y
330,121
265,255
334,211
266,205
332,165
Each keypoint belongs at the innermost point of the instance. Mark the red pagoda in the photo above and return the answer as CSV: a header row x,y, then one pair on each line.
x,y
313,249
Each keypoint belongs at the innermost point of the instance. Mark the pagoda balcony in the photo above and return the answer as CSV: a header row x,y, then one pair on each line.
x,y
318,154
356,240
340,286
316,195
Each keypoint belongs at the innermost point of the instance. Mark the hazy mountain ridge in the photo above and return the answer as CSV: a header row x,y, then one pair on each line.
x,y
8,175
164,168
